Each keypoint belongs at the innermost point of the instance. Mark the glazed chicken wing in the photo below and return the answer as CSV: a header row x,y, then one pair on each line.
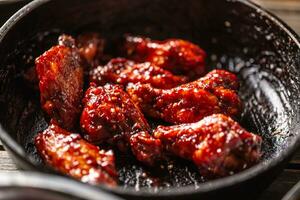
x,y
175,55
217,78
189,102
60,76
177,105
218,145
122,71
70,154
224,85
110,116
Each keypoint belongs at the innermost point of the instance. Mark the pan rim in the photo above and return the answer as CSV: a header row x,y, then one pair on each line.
x,y
52,184
205,187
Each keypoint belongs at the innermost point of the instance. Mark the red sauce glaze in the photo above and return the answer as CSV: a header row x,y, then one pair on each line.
x,y
110,116
224,85
177,105
70,154
122,71
176,55
218,78
192,101
60,76
218,145
156,79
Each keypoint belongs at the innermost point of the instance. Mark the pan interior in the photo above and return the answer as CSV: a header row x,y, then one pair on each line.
x,y
235,36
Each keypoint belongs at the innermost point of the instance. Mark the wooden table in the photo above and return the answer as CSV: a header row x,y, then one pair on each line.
x,y
289,11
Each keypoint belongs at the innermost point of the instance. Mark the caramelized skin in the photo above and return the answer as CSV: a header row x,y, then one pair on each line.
x,y
218,78
60,76
175,55
122,71
224,85
110,116
91,48
218,145
177,105
70,154
192,101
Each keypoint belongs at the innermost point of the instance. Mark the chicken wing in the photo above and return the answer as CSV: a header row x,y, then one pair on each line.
x,y
177,105
110,116
189,102
218,145
70,154
175,55
60,76
122,71
224,85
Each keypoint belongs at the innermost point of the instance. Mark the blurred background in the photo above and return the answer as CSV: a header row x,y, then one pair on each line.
x,y
287,10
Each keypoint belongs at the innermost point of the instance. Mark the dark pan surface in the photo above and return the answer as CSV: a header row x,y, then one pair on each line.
x,y
236,35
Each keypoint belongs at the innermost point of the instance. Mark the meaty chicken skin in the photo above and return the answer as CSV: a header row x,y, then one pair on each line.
x,y
110,116
122,71
177,105
224,85
60,75
218,78
218,145
70,154
176,55
189,102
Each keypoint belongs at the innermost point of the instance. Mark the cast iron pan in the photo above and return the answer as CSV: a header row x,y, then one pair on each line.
x,y
36,186
236,34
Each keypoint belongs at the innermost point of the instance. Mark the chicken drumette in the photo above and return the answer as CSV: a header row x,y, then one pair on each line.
x,y
123,71
175,55
60,76
70,154
110,116
214,93
218,145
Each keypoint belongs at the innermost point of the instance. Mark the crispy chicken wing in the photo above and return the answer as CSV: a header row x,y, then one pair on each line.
x,y
70,154
175,55
218,145
123,71
60,76
189,102
110,116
